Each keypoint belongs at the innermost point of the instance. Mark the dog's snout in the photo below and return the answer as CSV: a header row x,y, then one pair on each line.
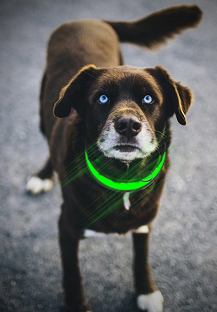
x,y
128,126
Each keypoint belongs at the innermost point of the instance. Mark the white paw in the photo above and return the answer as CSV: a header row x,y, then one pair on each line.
x,y
36,185
152,302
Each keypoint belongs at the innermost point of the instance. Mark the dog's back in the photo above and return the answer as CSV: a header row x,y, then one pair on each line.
x,y
70,47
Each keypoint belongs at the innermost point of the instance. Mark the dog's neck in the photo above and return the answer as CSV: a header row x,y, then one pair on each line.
x,y
131,180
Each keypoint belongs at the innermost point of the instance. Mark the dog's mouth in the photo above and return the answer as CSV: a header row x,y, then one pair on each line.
x,y
125,148
114,145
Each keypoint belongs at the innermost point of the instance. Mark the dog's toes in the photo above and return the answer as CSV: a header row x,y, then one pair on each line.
x,y
35,185
152,302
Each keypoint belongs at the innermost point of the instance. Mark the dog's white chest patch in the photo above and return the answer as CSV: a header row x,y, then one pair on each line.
x,y
90,233
126,200
142,230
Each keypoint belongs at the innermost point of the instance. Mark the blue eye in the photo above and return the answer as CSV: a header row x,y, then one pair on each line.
x,y
103,99
147,99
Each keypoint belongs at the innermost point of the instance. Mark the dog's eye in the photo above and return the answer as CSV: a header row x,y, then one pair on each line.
x,y
147,99
103,99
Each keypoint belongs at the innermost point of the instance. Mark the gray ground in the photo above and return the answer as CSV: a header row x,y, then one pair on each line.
x,y
183,247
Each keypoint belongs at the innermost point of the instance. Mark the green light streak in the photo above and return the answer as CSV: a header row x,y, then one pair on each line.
x,y
112,204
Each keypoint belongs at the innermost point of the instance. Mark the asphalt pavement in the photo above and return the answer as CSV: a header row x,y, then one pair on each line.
x,y
183,251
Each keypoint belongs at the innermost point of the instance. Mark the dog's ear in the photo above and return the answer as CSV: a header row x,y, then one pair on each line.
x,y
178,98
73,94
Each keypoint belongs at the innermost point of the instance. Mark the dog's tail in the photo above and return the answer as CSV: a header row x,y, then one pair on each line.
x,y
155,29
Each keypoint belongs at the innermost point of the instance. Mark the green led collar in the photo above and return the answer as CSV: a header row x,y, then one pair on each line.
x,y
126,186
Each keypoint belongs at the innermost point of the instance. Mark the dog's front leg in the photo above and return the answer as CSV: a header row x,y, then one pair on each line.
x,y
148,296
72,280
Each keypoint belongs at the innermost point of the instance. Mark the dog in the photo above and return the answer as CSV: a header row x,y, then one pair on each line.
x,y
108,131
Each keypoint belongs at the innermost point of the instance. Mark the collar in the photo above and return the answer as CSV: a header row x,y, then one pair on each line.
x,y
126,186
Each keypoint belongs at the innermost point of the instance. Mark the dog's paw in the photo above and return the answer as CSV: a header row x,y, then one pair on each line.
x,y
152,302
35,185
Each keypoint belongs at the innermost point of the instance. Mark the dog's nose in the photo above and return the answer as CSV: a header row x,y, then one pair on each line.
x,y
128,126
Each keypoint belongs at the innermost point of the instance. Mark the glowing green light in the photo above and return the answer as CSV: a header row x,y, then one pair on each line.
x,y
126,186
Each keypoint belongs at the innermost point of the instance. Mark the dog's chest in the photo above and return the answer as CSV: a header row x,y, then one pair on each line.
x,y
126,200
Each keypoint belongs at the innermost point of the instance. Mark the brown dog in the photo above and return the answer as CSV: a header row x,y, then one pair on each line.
x,y
111,149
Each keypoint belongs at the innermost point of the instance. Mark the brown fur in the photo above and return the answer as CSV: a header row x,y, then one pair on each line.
x,y
71,47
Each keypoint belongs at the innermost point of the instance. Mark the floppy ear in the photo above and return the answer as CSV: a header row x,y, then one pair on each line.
x,y
72,95
178,98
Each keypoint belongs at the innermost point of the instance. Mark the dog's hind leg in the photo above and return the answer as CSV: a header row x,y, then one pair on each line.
x,y
42,181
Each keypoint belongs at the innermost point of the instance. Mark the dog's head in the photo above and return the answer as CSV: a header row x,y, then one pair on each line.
x,y
125,109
